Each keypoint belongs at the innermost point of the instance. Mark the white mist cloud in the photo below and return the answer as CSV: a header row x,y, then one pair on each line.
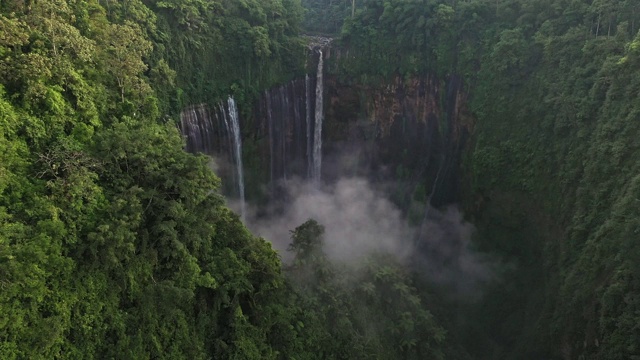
x,y
359,220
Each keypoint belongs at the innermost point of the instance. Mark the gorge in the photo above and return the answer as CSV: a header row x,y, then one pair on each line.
x,y
424,179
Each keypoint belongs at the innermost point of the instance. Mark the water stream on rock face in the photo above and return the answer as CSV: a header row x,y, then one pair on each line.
x,y
308,123
233,128
216,138
290,119
284,113
286,129
196,127
317,135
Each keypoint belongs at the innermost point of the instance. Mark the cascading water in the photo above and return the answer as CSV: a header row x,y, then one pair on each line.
x,y
282,121
287,127
233,128
194,126
317,135
271,136
308,123
290,118
284,102
286,132
216,132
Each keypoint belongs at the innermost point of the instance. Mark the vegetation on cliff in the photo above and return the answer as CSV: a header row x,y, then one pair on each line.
x,y
114,242
555,99
551,176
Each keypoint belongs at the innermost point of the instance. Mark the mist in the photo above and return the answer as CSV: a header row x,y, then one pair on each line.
x,y
360,220
357,219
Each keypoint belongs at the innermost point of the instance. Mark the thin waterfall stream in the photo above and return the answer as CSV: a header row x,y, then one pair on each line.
x,y
233,128
317,136
308,123
287,128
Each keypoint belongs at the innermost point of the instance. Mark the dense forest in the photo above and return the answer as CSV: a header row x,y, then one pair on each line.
x,y
549,176
114,242
117,243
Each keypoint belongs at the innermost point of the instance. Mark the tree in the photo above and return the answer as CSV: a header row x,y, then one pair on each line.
x,y
126,48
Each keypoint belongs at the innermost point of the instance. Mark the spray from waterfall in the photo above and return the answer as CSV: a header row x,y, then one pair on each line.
x,y
317,136
233,128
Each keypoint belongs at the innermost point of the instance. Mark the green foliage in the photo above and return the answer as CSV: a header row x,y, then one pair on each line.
x,y
114,242
368,310
126,48
554,99
327,16
551,176
223,47
387,38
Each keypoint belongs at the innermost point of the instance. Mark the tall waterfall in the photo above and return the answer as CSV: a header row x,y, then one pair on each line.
x,y
286,133
284,102
317,136
233,128
308,123
196,126
215,131
289,118
269,111
282,121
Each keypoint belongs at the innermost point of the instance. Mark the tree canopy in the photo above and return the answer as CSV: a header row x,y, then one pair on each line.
x,y
116,243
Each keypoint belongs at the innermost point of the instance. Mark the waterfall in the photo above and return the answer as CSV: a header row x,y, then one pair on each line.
x,y
286,133
317,135
284,125
197,127
288,126
215,131
233,128
267,97
308,124
284,103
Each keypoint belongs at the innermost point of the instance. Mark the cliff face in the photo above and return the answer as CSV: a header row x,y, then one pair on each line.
x,y
410,131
